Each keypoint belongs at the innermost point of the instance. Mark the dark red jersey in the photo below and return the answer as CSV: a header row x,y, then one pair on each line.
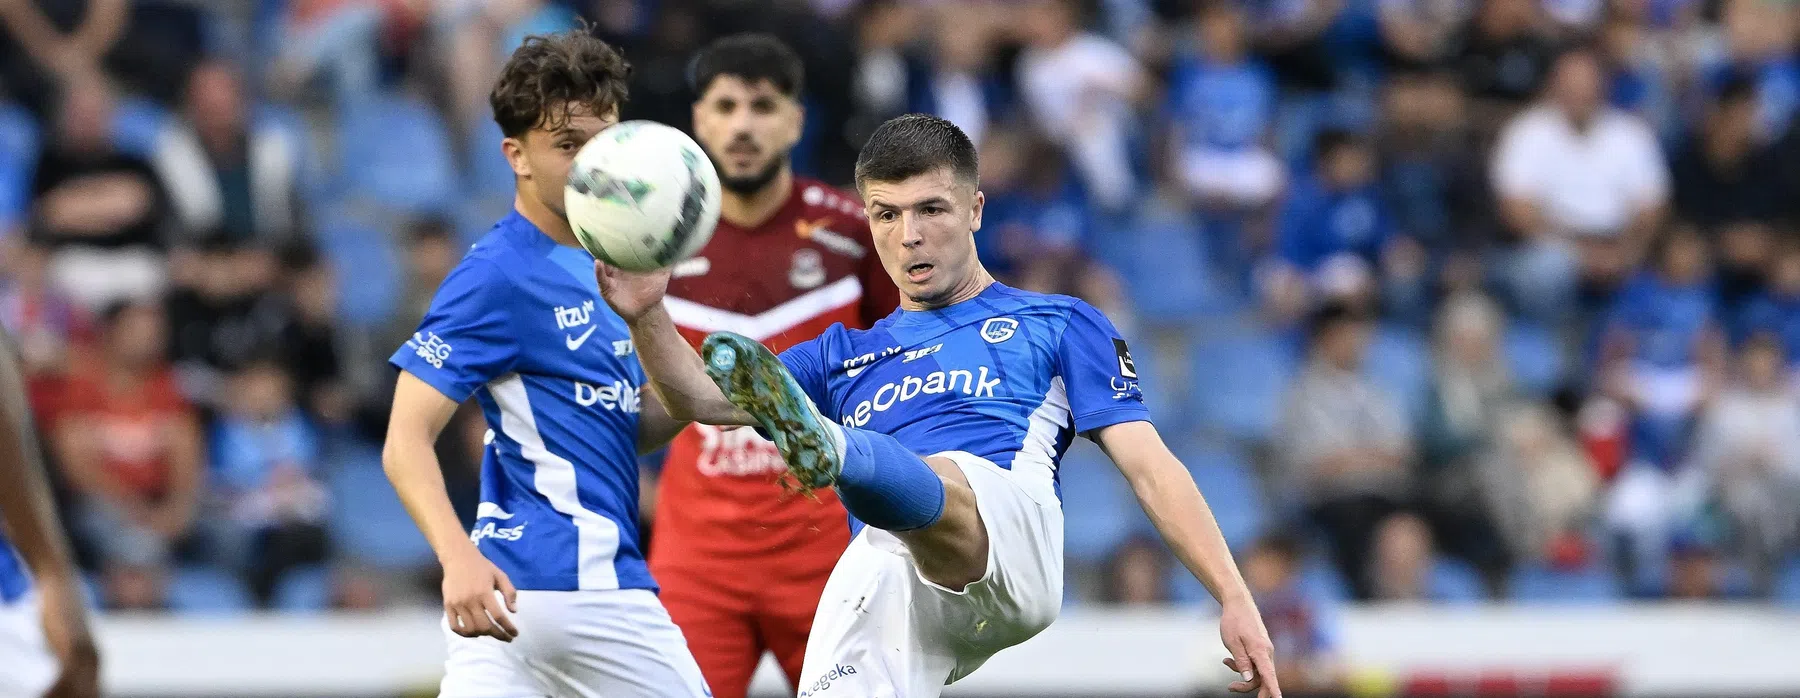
x,y
808,266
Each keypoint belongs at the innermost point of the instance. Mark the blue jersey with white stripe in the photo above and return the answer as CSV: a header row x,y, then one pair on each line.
x,y
14,581
520,325
1011,376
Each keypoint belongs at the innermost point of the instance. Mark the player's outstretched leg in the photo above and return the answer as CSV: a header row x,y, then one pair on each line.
x,y
878,480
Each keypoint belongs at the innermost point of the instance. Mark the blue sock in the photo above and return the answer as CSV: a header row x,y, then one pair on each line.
x,y
885,485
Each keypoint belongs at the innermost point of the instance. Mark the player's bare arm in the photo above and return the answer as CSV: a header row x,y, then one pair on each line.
x,y
410,460
1168,494
656,427
28,512
676,374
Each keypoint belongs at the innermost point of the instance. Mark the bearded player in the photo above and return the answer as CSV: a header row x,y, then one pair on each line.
x,y
741,565
941,428
549,595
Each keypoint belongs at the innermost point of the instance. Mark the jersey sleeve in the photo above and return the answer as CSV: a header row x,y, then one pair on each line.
x,y
806,362
466,338
1097,372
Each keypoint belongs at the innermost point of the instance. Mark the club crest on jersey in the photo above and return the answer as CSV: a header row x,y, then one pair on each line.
x,y
808,270
999,329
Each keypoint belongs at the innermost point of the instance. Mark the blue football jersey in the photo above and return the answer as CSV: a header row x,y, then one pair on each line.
x,y
520,325
14,581
1011,376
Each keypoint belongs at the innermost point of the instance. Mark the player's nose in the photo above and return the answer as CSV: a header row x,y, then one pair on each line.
x,y
911,233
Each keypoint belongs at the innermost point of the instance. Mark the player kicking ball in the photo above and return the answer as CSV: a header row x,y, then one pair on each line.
x,y
957,554
549,595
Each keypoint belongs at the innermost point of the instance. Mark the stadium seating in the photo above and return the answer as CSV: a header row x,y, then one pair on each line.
x,y
1533,583
1452,581
303,590
396,150
207,590
137,124
1097,505
1399,363
1534,359
368,523
19,148
1238,381
367,266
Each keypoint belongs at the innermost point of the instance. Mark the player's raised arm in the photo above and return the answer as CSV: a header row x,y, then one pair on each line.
x,y
28,514
1168,494
674,369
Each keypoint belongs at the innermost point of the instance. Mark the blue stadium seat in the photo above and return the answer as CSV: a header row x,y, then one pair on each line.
x,y
367,265
303,590
487,173
1534,358
1238,382
137,124
1226,480
1543,585
368,523
1787,583
1097,505
1454,582
207,591
1164,270
396,151
1399,362
1320,579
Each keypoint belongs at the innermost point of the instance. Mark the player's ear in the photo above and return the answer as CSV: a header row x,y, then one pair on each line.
x,y
514,150
797,125
979,203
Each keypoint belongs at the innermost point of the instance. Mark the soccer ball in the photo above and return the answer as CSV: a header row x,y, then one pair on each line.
x,y
642,196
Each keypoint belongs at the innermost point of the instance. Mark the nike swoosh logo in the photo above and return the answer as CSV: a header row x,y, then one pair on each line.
x,y
576,342
852,372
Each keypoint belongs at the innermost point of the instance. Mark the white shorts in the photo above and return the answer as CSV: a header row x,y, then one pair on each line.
x,y
27,666
882,631
577,644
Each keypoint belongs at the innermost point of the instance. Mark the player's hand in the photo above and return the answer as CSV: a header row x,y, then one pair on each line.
x,y
470,603
66,631
1252,654
630,293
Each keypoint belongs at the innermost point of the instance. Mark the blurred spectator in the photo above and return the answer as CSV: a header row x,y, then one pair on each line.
x,y
1431,170
1421,33
1081,89
104,214
48,42
1344,445
310,347
1576,177
1471,393
1640,72
1777,310
42,320
1723,174
1503,56
130,448
1663,348
1747,457
1335,220
1037,225
1221,105
1304,640
1540,487
1135,575
265,473
224,313
335,44
1402,559
228,172
1760,40
962,86
889,75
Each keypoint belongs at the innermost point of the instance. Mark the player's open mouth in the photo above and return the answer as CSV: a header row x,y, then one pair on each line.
x,y
919,272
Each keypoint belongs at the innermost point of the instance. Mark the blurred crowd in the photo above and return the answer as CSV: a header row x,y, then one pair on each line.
x,y
1440,300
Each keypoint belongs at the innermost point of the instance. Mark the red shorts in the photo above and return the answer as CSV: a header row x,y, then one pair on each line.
x,y
733,612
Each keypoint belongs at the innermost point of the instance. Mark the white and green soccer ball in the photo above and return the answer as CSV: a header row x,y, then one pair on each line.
x,y
642,196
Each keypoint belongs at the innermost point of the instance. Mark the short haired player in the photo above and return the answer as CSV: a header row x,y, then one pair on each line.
x,y
961,554
741,563
45,646
549,594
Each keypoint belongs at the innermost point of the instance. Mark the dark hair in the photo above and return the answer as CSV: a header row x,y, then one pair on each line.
x,y
1282,544
752,58
1331,140
911,145
1738,88
550,74
1330,316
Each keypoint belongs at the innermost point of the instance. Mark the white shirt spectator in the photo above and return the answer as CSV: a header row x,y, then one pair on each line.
x,y
1079,93
1589,182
